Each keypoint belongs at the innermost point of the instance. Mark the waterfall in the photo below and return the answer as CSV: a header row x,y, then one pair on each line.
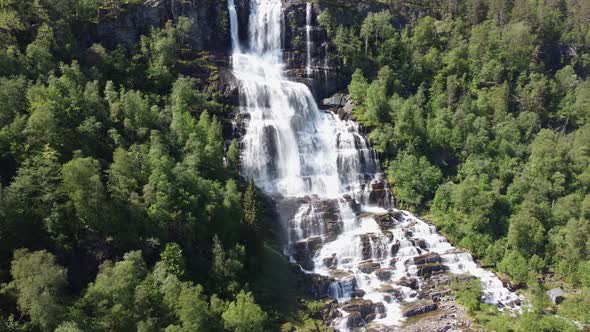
x,y
308,44
233,17
336,208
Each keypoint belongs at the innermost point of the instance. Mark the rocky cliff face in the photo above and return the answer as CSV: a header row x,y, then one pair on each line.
x,y
209,28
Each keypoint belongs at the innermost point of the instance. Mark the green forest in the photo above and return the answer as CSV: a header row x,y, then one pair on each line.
x,y
119,208
121,205
481,111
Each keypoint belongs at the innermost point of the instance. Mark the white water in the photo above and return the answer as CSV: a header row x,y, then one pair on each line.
x,y
308,44
295,150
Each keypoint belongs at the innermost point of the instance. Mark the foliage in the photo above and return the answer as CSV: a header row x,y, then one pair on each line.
x,y
243,315
114,173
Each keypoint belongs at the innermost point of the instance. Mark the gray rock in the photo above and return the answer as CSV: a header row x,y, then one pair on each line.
x,y
408,282
427,270
419,309
427,259
383,274
338,99
556,295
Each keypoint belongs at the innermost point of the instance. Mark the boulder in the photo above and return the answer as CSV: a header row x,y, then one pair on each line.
x,y
358,293
379,308
385,221
396,214
331,262
383,274
354,319
408,282
365,308
419,243
369,267
378,194
419,309
556,295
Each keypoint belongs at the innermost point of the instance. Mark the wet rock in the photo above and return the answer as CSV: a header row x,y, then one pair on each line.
x,y
319,285
303,251
338,99
394,293
354,319
378,194
396,214
354,205
385,221
371,317
328,313
383,274
395,248
369,267
419,243
408,282
358,293
426,270
427,259
419,309
367,251
380,308
331,262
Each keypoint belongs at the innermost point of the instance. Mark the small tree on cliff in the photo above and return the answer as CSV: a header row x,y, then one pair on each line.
x,y
251,206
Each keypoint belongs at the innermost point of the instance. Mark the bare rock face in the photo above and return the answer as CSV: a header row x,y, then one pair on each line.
x,y
209,29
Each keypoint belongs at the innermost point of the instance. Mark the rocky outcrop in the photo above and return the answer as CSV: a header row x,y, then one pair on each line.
x,y
303,251
428,270
319,286
325,78
362,312
328,313
419,309
209,27
408,282
430,258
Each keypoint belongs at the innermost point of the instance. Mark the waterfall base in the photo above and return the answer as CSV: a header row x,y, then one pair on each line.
x,y
383,266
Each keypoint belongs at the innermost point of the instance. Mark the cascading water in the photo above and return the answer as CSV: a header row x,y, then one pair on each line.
x,y
308,44
341,223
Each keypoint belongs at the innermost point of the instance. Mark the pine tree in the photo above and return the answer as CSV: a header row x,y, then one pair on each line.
x,y
251,206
